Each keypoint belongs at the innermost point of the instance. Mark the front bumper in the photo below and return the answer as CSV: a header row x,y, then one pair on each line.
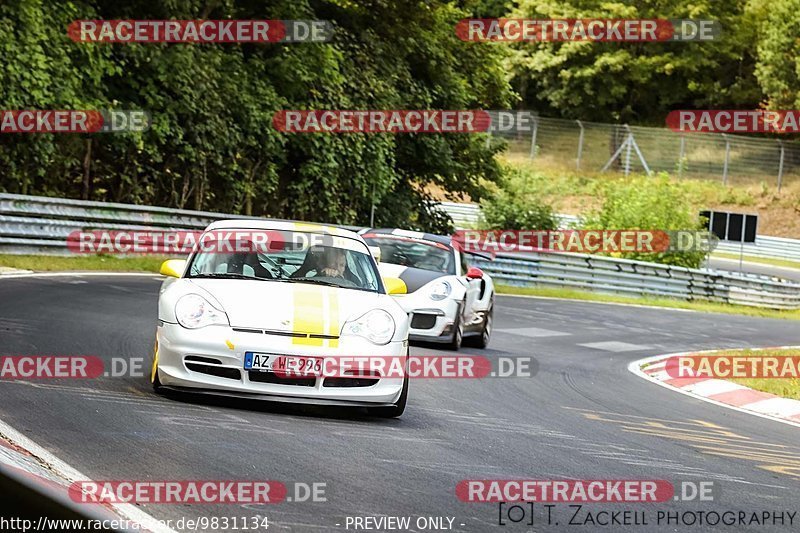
x,y
431,321
211,360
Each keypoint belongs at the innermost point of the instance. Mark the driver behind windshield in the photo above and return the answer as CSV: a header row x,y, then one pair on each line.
x,y
333,263
328,262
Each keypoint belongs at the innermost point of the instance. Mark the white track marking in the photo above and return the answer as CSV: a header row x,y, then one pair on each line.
x,y
125,510
615,346
71,475
533,332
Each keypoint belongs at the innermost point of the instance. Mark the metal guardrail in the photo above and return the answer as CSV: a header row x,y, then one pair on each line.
x,y
468,216
765,246
39,225
637,278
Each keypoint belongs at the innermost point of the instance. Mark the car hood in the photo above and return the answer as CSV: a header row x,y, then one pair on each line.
x,y
288,307
414,278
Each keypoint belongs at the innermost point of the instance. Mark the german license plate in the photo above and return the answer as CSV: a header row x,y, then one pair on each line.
x,y
259,361
297,366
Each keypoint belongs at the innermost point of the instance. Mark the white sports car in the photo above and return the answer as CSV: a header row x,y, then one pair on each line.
x,y
448,299
232,319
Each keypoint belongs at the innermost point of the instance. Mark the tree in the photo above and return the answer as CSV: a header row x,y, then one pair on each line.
x,y
212,144
637,82
778,67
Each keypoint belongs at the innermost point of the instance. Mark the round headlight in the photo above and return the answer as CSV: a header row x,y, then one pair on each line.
x,y
440,291
377,326
193,311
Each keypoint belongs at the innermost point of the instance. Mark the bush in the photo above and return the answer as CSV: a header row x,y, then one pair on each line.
x,y
517,204
648,203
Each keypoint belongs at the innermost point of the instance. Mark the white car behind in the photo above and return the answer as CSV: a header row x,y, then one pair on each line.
x,y
450,302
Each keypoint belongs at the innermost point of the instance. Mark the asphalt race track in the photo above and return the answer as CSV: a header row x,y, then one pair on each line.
x,y
583,416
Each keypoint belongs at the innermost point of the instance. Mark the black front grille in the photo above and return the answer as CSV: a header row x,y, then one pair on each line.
x,y
423,321
199,359
349,382
271,377
286,333
211,370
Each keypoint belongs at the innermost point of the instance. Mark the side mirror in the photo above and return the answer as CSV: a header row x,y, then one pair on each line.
x,y
474,273
376,253
173,268
395,286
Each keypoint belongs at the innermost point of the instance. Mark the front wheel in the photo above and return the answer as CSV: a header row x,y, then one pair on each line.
x,y
458,331
482,341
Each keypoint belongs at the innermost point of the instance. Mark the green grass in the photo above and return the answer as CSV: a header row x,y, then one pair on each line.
x,y
763,260
706,307
785,387
83,262
554,182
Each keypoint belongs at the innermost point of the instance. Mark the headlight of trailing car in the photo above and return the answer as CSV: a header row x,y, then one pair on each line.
x,y
193,311
440,291
377,326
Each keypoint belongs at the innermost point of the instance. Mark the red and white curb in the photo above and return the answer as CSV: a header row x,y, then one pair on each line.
x,y
720,391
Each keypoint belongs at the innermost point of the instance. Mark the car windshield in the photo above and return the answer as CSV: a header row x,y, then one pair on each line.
x,y
415,253
328,260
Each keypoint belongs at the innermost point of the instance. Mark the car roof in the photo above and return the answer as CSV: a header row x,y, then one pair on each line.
x,y
282,225
432,237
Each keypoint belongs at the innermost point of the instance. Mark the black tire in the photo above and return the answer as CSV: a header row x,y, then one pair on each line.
x,y
156,383
458,331
395,410
482,340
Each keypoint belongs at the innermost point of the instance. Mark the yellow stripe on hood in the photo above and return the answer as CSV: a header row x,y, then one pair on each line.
x,y
316,312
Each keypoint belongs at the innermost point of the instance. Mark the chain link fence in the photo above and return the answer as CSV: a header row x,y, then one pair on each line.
x,y
593,146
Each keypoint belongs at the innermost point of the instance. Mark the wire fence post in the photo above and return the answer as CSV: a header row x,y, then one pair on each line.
x,y
681,156
727,159
533,136
628,142
780,165
580,146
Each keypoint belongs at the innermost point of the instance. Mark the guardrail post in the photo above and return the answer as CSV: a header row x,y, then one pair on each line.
x,y
727,159
533,136
780,165
580,146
